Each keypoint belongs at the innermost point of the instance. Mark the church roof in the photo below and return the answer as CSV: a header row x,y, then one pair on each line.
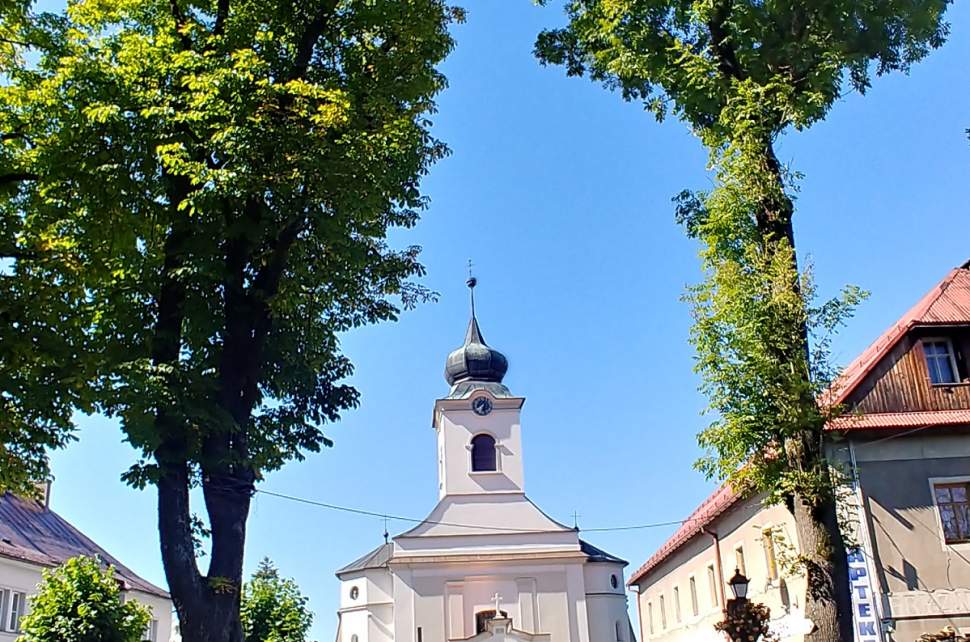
x,y
377,558
598,554
33,533
380,556
475,361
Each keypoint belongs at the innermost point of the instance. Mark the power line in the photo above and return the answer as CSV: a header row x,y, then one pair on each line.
x,y
360,511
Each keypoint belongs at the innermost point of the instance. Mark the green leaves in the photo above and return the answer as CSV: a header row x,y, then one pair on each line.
x,y
257,169
707,59
273,608
80,601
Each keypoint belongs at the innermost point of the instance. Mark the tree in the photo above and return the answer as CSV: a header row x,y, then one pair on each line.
x,y
45,374
740,73
273,609
80,601
205,188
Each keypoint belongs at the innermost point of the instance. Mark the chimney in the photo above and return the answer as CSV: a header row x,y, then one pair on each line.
x,y
42,493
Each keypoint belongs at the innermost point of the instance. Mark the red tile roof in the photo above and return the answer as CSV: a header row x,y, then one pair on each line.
x,y
892,420
712,508
30,532
948,303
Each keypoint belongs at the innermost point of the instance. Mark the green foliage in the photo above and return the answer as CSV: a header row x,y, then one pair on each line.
x,y
760,371
716,63
80,601
273,609
740,73
203,191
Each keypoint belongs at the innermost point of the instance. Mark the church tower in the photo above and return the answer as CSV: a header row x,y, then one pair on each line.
x,y
477,424
486,565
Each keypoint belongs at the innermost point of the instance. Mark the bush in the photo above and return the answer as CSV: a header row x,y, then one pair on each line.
x,y
80,601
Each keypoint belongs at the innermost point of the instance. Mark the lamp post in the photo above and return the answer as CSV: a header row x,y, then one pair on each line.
x,y
744,621
739,585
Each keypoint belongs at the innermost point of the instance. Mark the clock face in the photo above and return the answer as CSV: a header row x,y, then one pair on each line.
x,y
482,406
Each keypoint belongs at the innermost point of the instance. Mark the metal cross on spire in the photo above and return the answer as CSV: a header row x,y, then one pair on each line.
x,y
471,283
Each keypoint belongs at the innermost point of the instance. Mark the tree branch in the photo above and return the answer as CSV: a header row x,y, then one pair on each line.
x,y
727,58
308,41
222,14
180,24
18,177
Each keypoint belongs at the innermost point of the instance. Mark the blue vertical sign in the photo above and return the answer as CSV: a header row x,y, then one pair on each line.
x,y
863,600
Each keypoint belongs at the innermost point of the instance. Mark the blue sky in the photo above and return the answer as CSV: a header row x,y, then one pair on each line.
x,y
560,194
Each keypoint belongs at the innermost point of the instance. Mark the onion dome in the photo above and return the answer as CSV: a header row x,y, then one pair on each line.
x,y
475,360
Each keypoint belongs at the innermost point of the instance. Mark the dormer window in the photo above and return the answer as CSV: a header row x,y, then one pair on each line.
x,y
941,361
483,454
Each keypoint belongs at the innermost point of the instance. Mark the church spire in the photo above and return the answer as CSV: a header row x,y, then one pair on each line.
x,y
475,360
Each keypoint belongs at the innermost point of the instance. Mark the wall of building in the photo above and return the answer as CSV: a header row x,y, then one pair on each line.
x,y
925,583
901,381
742,527
368,612
22,577
606,604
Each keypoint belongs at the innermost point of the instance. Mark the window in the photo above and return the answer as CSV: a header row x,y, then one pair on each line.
x,y
663,614
712,584
354,638
483,453
650,616
739,560
941,361
954,508
151,631
677,613
420,635
694,609
354,592
771,562
12,607
619,631
613,581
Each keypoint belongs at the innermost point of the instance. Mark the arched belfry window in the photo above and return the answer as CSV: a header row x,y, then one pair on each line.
x,y
483,453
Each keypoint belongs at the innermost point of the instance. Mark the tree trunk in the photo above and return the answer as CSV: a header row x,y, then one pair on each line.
x,y
207,606
828,602
820,542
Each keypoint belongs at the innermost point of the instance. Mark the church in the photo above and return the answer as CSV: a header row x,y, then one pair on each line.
x,y
487,563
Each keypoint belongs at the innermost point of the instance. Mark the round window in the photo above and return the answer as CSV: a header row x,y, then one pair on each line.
x,y
613,581
354,592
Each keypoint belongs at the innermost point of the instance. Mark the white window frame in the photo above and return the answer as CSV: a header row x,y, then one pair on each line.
x,y
9,597
151,631
933,481
711,572
952,354
498,455
678,614
739,555
695,600
768,541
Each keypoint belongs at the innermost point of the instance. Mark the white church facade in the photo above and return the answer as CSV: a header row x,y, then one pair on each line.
x,y
487,563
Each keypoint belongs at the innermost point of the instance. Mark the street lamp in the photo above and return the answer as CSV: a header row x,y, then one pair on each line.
x,y
739,585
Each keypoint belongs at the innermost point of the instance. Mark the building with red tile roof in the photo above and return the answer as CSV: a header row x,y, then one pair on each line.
x,y
906,425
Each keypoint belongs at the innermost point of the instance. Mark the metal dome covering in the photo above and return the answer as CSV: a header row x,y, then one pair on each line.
x,y
475,360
